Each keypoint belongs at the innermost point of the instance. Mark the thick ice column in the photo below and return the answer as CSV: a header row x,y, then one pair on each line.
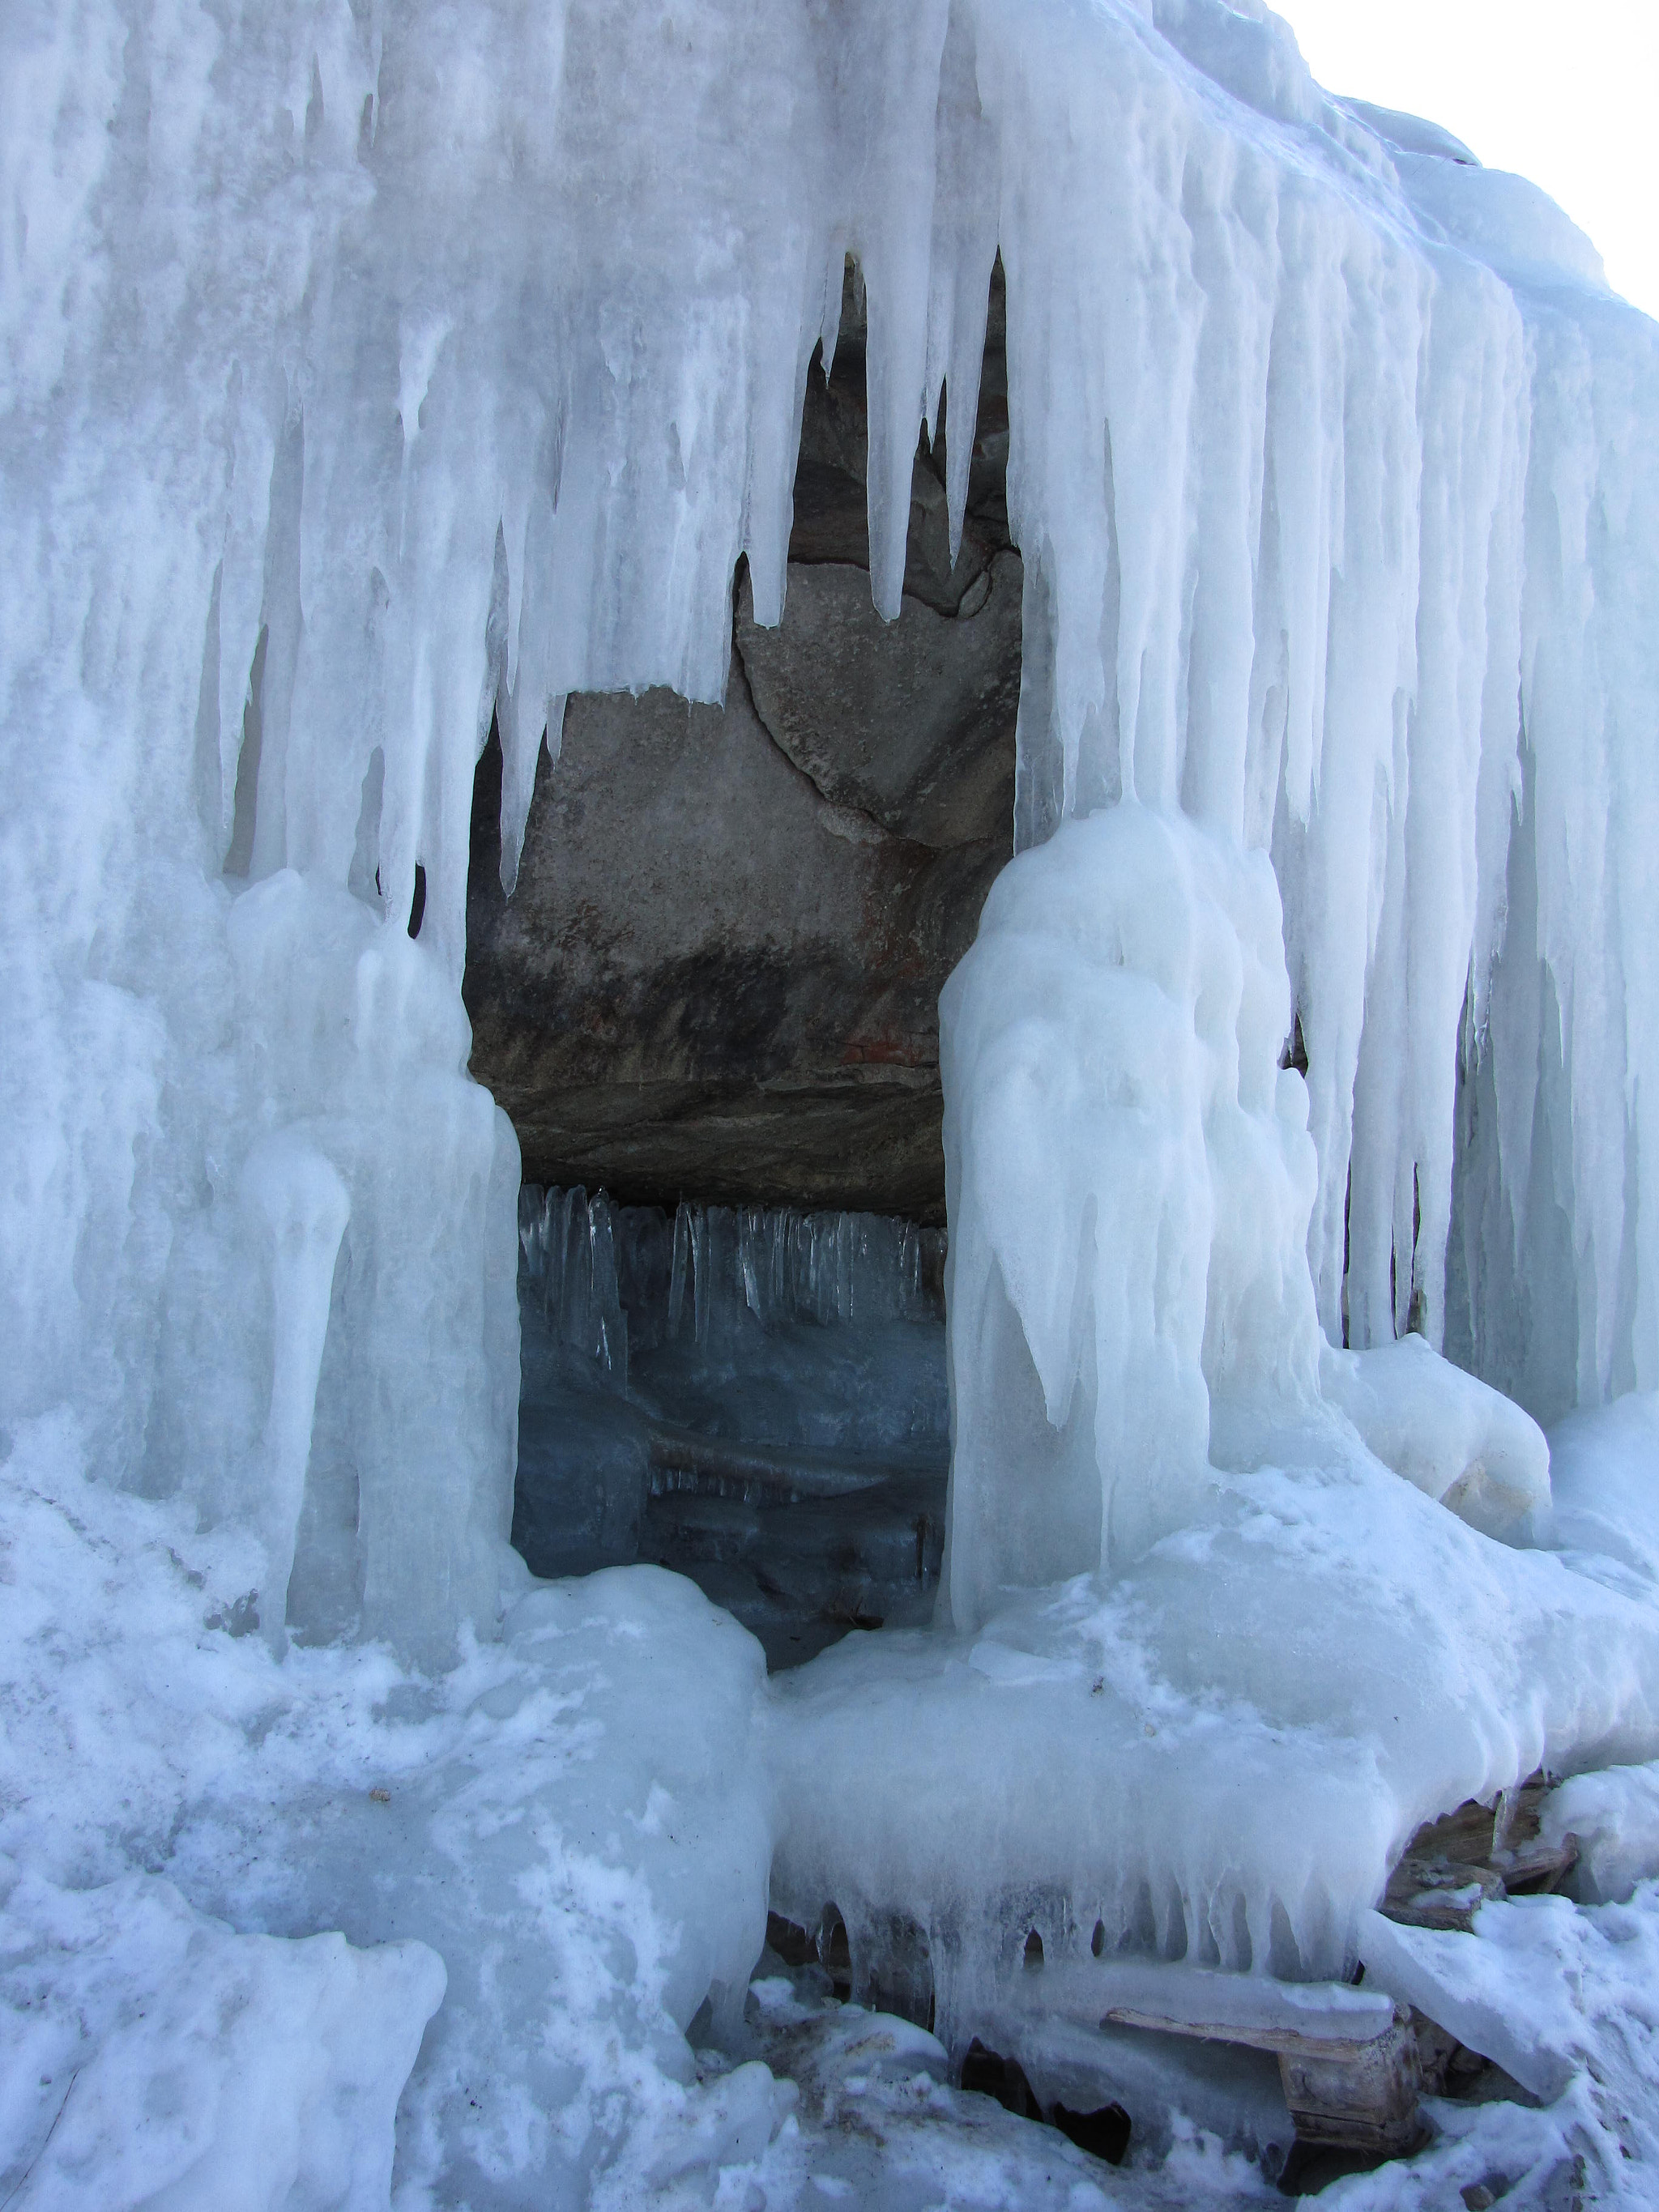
x,y
305,1205
406,1489
1129,1178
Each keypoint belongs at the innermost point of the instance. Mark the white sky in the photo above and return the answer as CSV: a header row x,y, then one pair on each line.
x,y
1565,91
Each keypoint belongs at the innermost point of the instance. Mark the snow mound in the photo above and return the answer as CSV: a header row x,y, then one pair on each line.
x,y
574,1818
151,2056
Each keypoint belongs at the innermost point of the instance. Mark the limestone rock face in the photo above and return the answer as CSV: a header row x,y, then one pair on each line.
x,y
717,975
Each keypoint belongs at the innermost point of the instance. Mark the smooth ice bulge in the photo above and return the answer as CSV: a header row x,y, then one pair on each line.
x,y
1130,1181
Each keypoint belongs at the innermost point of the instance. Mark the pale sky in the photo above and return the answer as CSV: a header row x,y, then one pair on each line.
x,y
1565,91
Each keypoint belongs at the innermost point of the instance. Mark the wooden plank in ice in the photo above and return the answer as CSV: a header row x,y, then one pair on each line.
x,y
1320,2019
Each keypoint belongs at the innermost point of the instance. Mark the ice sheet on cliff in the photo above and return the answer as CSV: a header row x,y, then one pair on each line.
x,y
1331,466
365,371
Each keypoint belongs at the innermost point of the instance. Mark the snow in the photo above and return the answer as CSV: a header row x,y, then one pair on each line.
x,y
364,373
152,2056
572,1820
1613,1818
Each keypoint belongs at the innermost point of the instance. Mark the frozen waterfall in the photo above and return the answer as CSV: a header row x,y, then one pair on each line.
x,y
1331,462
372,377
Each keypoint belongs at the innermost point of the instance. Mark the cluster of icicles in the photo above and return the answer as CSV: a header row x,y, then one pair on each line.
x,y
607,1275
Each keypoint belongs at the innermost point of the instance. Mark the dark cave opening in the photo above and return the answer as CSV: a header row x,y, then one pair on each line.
x,y
713,997
754,1398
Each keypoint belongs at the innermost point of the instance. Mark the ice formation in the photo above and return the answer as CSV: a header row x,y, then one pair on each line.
x,y
1131,1177
756,1397
590,1264
369,375
1357,579
1130,1181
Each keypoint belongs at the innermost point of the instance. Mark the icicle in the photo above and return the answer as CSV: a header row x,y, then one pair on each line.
x,y
751,1234
703,1285
681,1267
304,1206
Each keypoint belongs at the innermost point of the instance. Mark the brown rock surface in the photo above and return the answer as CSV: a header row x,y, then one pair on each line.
x,y
719,973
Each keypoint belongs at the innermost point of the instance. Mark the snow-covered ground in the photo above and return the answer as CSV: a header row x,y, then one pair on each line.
x,y
541,1859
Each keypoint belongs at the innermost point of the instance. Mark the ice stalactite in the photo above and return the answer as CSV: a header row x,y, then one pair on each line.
x,y
590,1265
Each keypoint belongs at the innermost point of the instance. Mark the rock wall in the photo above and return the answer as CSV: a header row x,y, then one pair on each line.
x,y
718,971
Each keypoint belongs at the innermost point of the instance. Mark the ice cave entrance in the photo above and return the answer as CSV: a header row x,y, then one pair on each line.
x,y
707,995
755,1397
